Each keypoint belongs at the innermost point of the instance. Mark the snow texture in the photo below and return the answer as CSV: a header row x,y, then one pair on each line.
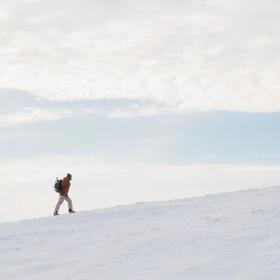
x,y
226,236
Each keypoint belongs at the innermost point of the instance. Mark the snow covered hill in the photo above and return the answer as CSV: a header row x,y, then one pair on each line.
x,y
219,237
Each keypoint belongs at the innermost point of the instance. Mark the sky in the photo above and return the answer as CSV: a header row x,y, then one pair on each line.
x,y
140,100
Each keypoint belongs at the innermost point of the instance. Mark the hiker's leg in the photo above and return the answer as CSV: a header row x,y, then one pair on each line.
x,y
60,201
70,204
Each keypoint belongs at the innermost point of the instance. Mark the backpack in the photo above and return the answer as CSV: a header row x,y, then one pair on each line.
x,y
58,185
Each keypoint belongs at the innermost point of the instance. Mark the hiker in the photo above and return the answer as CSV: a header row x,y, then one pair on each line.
x,y
65,185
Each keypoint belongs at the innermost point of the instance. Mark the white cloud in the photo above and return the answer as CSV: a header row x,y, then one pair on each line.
x,y
129,112
187,55
31,115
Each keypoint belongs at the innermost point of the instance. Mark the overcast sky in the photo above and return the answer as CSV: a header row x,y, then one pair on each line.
x,y
142,100
186,55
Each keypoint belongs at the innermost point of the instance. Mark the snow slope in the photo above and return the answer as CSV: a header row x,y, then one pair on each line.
x,y
225,236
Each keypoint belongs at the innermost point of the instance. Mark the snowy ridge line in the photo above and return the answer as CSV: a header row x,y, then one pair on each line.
x,y
225,236
146,203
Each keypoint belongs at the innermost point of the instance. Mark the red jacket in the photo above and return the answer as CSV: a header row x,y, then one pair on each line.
x,y
65,186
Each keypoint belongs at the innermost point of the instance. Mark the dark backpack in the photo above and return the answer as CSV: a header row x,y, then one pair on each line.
x,y
58,186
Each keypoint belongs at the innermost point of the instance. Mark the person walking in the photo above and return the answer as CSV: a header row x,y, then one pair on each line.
x,y
64,195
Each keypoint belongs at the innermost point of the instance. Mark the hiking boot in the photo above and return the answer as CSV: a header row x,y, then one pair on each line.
x,y
55,214
71,211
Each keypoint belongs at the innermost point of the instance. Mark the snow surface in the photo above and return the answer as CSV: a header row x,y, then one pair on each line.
x,y
225,236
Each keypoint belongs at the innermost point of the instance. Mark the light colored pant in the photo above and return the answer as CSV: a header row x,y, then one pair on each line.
x,y
60,201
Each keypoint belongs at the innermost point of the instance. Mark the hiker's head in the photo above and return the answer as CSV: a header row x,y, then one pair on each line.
x,y
69,176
